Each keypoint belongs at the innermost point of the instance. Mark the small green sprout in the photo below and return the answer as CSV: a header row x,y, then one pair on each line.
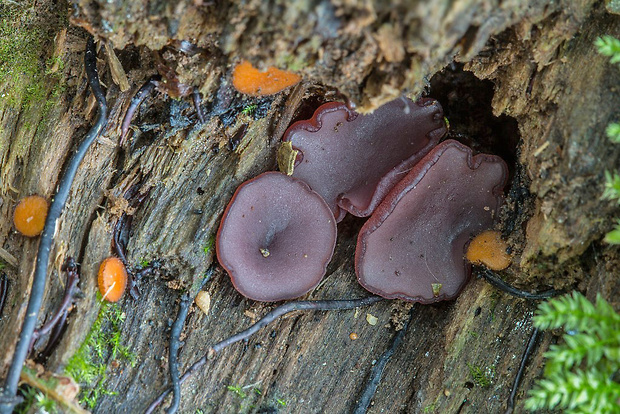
x,y
54,64
609,46
257,391
281,402
45,403
481,377
429,408
249,110
209,246
36,401
613,132
238,390
613,237
612,186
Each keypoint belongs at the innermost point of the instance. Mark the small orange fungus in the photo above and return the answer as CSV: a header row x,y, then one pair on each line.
x,y
489,249
29,216
251,81
112,279
353,336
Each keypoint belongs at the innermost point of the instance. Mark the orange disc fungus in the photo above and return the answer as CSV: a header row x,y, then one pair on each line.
x,y
251,81
112,279
30,214
489,249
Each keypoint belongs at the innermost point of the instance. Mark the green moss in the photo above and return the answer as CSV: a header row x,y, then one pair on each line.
x,y
613,132
612,186
292,63
89,364
430,408
31,81
36,401
613,237
208,248
28,84
481,377
237,390
249,110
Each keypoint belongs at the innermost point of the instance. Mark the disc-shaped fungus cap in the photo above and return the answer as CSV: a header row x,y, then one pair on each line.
x,y
354,160
112,279
29,216
413,246
490,250
251,81
276,238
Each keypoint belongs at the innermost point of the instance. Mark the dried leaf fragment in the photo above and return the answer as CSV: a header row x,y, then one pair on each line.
x,y
116,69
286,158
371,319
203,301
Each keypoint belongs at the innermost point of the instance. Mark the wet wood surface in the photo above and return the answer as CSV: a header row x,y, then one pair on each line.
x,y
548,82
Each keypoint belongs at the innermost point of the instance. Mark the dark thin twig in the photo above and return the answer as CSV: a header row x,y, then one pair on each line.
x,y
465,401
196,98
4,291
54,337
117,243
143,93
266,320
173,358
121,229
497,282
150,269
7,401
291,307
72,281
376,373
528,351
123,224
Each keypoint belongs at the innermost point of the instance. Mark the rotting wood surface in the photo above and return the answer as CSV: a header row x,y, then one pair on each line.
x,y
546,75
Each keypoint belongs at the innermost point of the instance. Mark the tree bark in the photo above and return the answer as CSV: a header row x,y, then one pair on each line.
x,y
521,79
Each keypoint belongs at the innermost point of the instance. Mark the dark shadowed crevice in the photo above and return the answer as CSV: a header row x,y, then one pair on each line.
x,y
466,102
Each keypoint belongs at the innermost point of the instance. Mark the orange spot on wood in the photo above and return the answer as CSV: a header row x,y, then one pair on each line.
x,y
112,279
29,216
251,81
489,249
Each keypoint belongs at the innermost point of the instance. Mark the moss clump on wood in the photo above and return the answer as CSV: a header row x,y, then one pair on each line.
x,y
89,365
27,77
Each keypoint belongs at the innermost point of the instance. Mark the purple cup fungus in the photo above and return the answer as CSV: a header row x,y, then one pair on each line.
x,y
354,160
276,238
413,246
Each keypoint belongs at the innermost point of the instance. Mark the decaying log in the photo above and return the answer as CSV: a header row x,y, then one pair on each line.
x,y
520,79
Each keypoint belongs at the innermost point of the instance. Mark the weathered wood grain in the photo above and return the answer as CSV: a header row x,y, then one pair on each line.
x,y
547,79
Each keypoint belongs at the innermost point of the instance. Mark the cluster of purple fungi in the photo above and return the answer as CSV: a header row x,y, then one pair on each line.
x,y
425,200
